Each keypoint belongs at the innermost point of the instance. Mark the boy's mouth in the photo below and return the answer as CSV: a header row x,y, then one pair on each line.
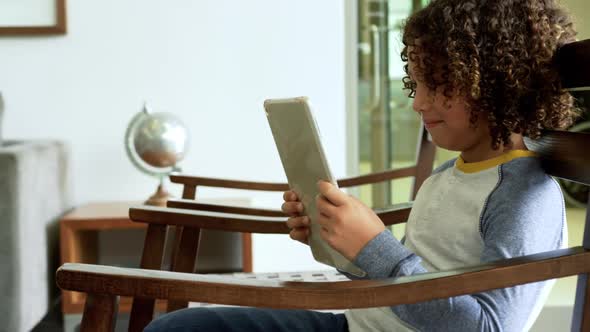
x,y
431,124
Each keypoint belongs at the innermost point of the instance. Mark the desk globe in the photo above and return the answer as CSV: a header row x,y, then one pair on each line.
x,y
155,143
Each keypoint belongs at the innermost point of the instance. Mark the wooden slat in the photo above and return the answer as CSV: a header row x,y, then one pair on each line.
x,y
330,295
209,220
227,183
189,192
185,247
572,61
192,205
272,186
240,223
562,154
377,177
247,259
142,309
184,261
396,214
100,313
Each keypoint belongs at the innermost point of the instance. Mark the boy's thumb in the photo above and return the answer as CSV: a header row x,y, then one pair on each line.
x,y
332,193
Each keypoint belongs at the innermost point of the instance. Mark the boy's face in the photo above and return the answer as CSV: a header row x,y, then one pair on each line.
x,y
447,120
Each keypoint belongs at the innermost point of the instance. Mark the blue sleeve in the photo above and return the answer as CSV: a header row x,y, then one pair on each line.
x,y
515,222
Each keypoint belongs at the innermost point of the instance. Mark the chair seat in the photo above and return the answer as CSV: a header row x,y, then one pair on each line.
x,y
324,275
317,276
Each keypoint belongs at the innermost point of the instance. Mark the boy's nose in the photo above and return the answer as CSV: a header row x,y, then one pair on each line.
x,y
415,107
422,100
419,104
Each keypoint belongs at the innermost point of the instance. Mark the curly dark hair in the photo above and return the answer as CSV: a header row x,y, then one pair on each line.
x,y
498,55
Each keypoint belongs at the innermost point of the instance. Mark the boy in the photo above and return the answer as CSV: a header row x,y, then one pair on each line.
x,y
481,76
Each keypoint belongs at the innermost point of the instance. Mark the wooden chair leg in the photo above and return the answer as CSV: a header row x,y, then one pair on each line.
x,y
142,310
100,313
247,264
185,259
186,244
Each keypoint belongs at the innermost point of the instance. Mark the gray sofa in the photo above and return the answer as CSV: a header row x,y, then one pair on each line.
x,y
34,193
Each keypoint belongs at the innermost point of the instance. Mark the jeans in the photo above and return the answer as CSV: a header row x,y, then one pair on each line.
x,y
233,319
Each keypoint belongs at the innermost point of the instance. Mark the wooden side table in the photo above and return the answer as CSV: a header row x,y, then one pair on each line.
x,y
79,243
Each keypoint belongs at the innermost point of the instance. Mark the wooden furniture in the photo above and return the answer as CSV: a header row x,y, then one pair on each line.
x,y
188,233
194,216
57,28
563,155
79,243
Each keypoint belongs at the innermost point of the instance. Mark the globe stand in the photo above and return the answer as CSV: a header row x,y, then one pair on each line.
x,y
159,198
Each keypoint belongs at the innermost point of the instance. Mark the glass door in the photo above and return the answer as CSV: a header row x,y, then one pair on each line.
x,y
388,128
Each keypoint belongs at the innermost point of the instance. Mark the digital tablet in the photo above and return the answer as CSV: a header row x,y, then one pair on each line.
x,y
298,142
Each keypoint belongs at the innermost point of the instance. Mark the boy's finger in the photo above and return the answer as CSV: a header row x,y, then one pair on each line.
x,y
292,207
324,206
290,196
298,222
323,220
333,194
300,234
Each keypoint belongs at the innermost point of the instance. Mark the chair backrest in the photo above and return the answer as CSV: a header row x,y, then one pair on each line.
x,y
564,156
563,152
425,152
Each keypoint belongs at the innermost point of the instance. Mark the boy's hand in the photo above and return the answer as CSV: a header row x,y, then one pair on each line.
x,y
347,224
298,224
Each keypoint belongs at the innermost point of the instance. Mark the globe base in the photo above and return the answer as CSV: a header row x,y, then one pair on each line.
x,y
159,198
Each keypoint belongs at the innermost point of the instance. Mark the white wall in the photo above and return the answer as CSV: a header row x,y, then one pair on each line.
x,y
211,62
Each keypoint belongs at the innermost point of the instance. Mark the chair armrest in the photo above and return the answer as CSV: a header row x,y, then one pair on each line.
x,y
236,219
274,186
208,220
154,284
193,205
391,215
227,183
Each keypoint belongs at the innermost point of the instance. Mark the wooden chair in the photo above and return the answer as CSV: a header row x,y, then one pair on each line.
x,y
238,219
563,155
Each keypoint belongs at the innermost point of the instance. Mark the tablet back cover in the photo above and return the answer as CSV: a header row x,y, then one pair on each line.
x,y
298,142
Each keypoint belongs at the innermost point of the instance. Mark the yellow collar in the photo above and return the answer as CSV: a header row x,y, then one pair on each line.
x,y
483,165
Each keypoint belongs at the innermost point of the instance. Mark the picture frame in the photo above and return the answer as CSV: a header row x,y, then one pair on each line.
x,y
32,17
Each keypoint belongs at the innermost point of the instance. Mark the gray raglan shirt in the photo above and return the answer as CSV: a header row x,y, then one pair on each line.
x,y
468,214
